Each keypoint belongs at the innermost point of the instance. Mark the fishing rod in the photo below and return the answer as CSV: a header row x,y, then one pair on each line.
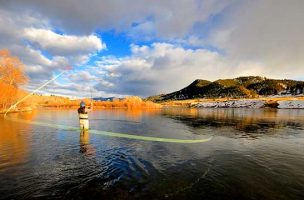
x,y
91,98
36,90
98,132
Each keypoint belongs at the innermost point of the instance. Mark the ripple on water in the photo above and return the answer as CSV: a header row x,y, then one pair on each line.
x,y
253,155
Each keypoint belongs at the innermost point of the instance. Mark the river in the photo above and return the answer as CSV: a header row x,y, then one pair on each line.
x,y
252,154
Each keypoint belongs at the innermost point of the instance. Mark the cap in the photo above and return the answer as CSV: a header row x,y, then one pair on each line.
x,y
82,104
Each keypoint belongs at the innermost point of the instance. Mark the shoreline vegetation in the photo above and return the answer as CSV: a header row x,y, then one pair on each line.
x,y
134,102
57,102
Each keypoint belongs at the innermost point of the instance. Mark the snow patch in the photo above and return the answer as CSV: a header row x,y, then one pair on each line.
x,y
291,104
244,103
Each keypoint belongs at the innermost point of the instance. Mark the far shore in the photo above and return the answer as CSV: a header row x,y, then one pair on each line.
x,y
69,107
291,102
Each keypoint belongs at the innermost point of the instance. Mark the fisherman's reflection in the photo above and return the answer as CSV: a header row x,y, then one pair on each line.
x,y
85,146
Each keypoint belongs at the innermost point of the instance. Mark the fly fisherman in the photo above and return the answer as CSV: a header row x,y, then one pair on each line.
x,y
83,116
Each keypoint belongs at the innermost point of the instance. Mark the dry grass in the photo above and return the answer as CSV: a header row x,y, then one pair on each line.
x,y
57,102
132,102
128,102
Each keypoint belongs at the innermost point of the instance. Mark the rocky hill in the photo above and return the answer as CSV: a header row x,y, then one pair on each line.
x,y
241,87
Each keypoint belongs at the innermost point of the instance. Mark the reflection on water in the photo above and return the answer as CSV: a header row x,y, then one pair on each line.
x,y
14,138
130,115
84,143
240,122
254,154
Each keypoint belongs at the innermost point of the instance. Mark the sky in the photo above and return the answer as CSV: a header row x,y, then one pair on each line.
x,y
149,47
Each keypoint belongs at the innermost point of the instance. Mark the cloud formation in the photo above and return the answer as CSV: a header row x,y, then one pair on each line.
x,y
61,44
32,39
162,68
269,32
173,18
183,40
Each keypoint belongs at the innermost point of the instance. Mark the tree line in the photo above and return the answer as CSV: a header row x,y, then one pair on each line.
x,y
12,76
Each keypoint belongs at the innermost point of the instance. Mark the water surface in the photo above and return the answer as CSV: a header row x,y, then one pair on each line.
x,y
254,154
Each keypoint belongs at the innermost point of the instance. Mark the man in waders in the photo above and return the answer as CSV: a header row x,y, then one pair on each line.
x,y
83,116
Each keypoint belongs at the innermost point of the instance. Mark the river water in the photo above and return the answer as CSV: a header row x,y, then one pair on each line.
x,y
253,154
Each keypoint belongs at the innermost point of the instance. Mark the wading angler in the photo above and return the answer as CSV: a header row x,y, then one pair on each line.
x,y
84,116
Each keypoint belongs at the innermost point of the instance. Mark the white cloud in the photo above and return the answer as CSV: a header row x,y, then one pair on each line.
x,y
63,44
82,76
30,37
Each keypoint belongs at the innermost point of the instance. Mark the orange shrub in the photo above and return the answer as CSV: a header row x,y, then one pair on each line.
x,y
11,76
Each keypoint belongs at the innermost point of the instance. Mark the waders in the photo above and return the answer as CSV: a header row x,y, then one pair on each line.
x,y
84,121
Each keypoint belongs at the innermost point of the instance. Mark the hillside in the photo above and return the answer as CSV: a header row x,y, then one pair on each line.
x,y
241,87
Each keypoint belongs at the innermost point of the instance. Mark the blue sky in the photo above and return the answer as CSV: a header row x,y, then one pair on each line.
x,y
117,43
146,47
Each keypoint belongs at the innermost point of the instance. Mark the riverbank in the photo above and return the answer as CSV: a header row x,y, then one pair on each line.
x,y
265,102
252,103
18,109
